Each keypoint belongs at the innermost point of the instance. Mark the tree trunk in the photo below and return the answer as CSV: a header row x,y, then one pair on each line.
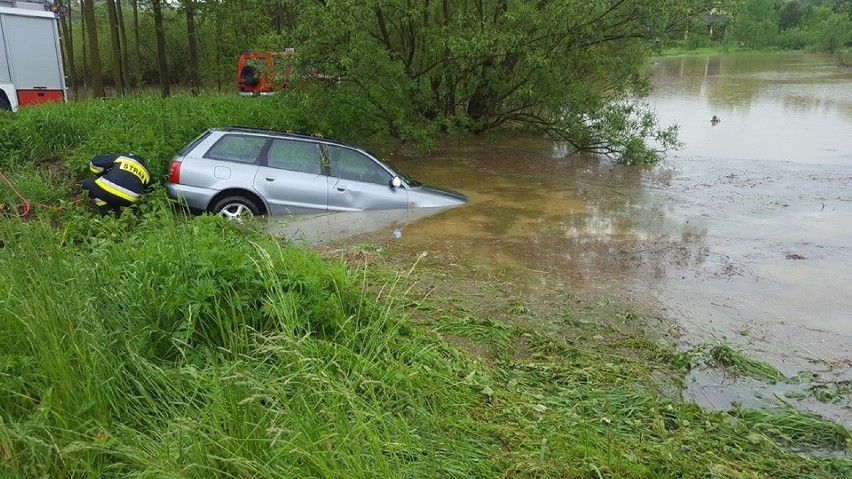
x,y
125,58
161,47
137,53
85,72
218,52
88,7
116,48
68,43
192,39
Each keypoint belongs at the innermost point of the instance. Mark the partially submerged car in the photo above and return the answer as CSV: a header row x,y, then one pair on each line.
x,y
239,172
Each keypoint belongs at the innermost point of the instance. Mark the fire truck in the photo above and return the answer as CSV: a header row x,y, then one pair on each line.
x,y
264,72
30,56
267,72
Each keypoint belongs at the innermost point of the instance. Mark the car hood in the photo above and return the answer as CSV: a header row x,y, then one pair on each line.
x,y
430,196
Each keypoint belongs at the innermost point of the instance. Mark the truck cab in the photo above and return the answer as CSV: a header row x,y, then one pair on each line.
x,y
31,69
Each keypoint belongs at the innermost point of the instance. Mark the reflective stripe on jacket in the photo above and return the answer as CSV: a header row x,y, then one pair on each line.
x,y
125,175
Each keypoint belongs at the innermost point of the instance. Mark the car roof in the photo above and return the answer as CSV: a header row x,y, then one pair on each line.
x,y
282,134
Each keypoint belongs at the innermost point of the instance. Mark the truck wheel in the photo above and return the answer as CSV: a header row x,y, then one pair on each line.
x,y
236,208
250,76
5,105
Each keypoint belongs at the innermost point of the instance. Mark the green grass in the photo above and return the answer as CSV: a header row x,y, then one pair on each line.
x,y
151,345
733,361
721,49
157,345
154,127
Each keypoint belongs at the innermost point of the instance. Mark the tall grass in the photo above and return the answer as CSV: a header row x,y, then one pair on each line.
x,y
151,126
154,346
154,127
182,349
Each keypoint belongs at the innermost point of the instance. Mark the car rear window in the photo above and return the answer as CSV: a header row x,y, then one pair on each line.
x,y
238,148
186,149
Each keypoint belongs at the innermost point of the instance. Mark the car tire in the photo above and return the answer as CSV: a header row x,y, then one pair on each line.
x,y
236,208
250,76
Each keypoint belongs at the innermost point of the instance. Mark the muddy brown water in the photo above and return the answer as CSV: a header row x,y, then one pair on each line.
x,y
742,236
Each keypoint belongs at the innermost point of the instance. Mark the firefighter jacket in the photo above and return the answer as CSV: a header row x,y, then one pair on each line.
x,y
124,177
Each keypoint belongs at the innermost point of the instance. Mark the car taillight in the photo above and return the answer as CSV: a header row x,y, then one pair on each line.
x,y
174,172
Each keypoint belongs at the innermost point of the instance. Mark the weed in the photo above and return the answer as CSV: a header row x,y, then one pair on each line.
x,y
734,361
516,308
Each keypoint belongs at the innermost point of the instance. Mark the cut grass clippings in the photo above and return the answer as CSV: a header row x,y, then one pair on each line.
x,y
735,362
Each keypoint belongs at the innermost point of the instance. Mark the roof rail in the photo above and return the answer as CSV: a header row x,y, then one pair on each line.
x,y
247,129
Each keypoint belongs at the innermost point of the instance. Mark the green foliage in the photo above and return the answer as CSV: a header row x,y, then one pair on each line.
x,y
796,24
554,67
414,70
831,30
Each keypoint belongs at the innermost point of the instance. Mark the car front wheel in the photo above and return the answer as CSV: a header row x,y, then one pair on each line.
x,y
236,208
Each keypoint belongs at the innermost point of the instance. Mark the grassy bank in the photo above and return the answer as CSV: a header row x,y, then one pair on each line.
x,y
157,345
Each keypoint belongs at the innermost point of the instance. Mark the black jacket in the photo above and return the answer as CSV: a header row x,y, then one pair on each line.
x,y
124,176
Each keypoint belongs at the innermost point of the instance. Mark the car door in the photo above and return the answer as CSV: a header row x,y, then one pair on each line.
x,y
290,177
356,182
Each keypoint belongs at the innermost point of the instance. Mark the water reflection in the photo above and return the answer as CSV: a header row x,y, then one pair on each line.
x,y
325,227
793,107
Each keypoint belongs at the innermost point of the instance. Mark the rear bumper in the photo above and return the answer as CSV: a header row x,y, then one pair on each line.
x,y
195,198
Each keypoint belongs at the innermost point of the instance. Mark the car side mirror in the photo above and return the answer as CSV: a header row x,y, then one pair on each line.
x,y
395,182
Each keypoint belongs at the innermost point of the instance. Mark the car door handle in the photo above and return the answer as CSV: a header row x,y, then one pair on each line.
x,y
341,188
270,178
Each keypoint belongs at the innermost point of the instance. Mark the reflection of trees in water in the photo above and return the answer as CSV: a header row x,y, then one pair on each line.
x,y
573,215
585,221
611,241
803,82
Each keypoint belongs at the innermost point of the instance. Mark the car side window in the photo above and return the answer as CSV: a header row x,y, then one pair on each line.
x,y
238,148
294,155
353,165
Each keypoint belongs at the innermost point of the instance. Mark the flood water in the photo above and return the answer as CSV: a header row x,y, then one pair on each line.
x,y
742,236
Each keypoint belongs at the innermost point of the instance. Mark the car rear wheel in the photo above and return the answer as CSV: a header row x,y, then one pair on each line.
x,y
236,208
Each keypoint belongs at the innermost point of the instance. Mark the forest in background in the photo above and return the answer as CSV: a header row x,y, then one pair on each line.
x,y
816,25
410,69
202,39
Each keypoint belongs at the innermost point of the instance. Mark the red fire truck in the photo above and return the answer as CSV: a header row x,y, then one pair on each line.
x,y
30,56
264,72
267,72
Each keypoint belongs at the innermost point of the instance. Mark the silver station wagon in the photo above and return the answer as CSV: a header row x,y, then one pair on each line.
x,y
241,172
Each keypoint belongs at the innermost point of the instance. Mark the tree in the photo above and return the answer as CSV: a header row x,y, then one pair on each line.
x,y
832,29
88,9
68,44
137,57
115,47
564,67
755,23
192,41
125,55
790,15
161,47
